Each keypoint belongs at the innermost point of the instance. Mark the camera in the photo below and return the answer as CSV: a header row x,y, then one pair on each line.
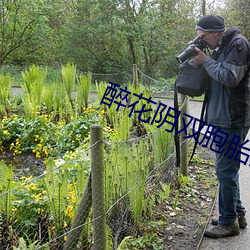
x,y
190,51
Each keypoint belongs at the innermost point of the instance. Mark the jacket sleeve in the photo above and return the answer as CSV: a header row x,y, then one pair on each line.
x,y
234,66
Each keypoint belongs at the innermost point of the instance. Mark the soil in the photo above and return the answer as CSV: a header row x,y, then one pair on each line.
x,y
187,222
25,164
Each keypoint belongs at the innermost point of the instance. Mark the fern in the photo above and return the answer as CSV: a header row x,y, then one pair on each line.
x,y
5,90
56,185
68,74
33,85
83,90
6,184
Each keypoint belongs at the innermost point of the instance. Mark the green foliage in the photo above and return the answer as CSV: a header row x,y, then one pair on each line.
x,y
43,137
6,184
127,161
29,245
34,81
101,89
5,90
126,172
48,98
162,140
165,188
176,199
103,36
68,74
83,90
57,188
23,25
121,122
30,206
147,241
184,181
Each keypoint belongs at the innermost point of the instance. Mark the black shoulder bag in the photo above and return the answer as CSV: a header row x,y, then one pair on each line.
x,y
192,81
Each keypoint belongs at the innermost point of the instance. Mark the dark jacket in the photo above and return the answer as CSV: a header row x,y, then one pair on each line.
x,y
229,91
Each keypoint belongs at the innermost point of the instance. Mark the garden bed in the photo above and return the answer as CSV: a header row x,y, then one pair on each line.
x,y
180,219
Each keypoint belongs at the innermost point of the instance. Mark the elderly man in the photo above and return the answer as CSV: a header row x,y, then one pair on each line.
x,y
228,110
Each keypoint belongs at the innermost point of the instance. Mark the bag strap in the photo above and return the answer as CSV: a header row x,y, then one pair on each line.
x,y
200,124
176,136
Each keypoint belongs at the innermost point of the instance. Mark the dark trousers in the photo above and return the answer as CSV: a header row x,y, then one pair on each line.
x,y
227,170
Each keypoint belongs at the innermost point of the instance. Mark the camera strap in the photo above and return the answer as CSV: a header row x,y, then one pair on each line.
x,y
176,136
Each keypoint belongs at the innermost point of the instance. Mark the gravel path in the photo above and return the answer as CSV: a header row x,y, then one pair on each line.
x,y
194,107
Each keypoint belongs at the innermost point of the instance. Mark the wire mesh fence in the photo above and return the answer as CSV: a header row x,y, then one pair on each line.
x,y
45,211
160,87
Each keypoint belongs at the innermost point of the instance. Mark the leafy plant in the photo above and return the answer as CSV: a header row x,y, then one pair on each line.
x,y
165,190
30,208
22,245
147,241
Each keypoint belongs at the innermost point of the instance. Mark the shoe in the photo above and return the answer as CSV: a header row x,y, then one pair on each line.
x,y
221,231
241,219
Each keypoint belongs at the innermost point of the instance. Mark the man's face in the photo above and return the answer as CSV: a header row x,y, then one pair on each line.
x,y
211,38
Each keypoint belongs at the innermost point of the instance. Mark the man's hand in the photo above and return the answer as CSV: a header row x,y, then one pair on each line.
x,y
200,58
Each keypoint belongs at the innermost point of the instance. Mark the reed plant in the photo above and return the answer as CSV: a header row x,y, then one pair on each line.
x,y
122,124
137,179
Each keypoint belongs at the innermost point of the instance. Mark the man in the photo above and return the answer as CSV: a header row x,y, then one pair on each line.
x,y
228,110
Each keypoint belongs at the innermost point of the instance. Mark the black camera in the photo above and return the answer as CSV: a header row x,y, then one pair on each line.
x,y
190,51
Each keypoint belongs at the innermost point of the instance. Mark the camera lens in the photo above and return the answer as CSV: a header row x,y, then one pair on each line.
x,y
187,53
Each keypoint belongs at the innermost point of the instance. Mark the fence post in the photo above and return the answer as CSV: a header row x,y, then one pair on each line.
x,y
183,143
98,195
135,74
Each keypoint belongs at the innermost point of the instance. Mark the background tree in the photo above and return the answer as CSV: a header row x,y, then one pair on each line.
x,y
237,13
105,36
21,25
